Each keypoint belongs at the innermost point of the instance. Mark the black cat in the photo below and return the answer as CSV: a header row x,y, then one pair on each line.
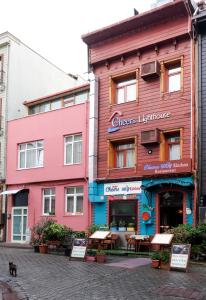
x,y
12,269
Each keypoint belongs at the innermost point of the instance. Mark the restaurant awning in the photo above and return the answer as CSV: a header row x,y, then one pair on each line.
x,y
10,192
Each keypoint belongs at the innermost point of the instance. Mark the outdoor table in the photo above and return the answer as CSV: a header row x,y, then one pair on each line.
x,y
99,236
140,240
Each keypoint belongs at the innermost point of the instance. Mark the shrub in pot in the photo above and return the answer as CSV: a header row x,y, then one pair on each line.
x,y
156,257
122,225
165,258
113,226
100,256
131,227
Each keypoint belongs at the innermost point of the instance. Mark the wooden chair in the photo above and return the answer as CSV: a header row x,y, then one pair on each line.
x,y
131,243
110,241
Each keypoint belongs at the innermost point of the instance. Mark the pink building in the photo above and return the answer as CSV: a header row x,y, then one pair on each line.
x,y
47,155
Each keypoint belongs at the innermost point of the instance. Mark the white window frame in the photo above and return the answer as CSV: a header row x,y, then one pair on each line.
x,y
50,200
26,151
72,143
75,194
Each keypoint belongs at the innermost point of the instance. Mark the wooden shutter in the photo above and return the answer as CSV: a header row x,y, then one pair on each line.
x,y
112,91
162,147
110,155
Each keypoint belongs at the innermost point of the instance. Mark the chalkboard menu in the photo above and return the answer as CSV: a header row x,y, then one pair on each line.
x,y
180,254
79,248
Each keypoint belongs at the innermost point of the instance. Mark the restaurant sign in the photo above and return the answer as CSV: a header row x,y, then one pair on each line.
x,y
122,188
167,167
118,122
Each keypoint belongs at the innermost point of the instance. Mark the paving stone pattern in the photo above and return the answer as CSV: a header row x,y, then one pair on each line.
x,y
53,277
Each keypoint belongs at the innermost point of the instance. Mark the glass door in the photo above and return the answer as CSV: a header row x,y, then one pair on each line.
x,y
19,224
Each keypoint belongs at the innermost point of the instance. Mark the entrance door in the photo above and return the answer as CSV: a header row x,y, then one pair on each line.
x,y
19,224
171,209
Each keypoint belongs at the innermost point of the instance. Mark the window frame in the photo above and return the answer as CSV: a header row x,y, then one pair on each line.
x,y
115,79
26,154
164,148
65,147
50,201
111,156
164,80
75,195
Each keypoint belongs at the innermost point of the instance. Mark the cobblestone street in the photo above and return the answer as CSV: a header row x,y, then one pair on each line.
x,y
56,278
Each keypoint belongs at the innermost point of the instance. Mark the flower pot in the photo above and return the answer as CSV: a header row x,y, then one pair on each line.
x,y
113,229
36,248
155,263
100,258
90,258
122,229
43,249
164,266
130,229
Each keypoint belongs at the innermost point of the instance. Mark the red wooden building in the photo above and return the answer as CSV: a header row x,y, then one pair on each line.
x,y
146,109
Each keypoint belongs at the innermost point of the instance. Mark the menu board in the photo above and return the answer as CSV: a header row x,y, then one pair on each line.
x,y
162,239
79,248
100,235
180,254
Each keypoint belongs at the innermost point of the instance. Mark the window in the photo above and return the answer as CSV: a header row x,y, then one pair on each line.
x,y
31,155
172,76
76,99
74,200
73,149
123,211
123,88
49,201
122,154
172,146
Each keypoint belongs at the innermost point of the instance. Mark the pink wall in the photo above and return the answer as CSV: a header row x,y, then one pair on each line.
x,y
50,127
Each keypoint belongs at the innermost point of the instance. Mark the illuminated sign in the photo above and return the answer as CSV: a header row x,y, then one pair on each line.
x,y
117,121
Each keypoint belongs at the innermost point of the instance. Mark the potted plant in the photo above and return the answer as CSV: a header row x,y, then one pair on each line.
x,y
156,259
122,225
38,235
164,261
113,226
131,227
100,256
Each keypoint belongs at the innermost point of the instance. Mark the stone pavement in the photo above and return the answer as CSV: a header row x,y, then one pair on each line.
x,y
54,277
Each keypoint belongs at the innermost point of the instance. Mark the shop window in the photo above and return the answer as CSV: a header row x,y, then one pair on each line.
x,y
123,211
122,154
171,145
74,200
172,76
124,88
49,201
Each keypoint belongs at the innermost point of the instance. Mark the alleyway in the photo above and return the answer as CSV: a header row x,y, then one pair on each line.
x,y
53,277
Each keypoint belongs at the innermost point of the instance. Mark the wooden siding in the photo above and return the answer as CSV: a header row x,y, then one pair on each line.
x,y
203,113
143,37
149,101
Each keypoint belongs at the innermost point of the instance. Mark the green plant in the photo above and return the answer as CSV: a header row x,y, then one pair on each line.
x,y
130,225
156,255
181,233
100,252
38,231
55,232
122,223
78,234
92,228
113,224
165,256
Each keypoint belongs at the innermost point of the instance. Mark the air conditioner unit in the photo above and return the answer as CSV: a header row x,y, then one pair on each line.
x,y
150,70
150,137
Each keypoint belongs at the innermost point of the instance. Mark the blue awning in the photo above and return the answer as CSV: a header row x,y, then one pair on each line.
x,y
164,182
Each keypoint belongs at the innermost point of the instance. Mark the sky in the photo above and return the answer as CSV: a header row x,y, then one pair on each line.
x,y
53,28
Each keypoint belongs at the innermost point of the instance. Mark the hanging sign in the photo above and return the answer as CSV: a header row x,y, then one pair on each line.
x,y
180,254
79,248
122,188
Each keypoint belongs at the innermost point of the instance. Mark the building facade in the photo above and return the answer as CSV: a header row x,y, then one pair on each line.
x,y
47,160
199,26
24,74
145,162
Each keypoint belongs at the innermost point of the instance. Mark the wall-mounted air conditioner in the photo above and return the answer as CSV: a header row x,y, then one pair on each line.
x,y
150,137
150,70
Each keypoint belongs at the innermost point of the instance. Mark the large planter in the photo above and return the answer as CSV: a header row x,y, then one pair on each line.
x,y
155,263
43,249
101,258
164,266
122,229
113,229
130,229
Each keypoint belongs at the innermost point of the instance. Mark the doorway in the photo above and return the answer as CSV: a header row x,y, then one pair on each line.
x,y
19,224
171,209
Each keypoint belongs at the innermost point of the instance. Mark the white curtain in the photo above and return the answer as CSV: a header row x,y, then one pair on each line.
x,y
77,152
130,158
174,152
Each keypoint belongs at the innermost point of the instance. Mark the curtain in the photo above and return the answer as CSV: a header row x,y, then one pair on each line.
x,y
77,152
174,152
130,158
